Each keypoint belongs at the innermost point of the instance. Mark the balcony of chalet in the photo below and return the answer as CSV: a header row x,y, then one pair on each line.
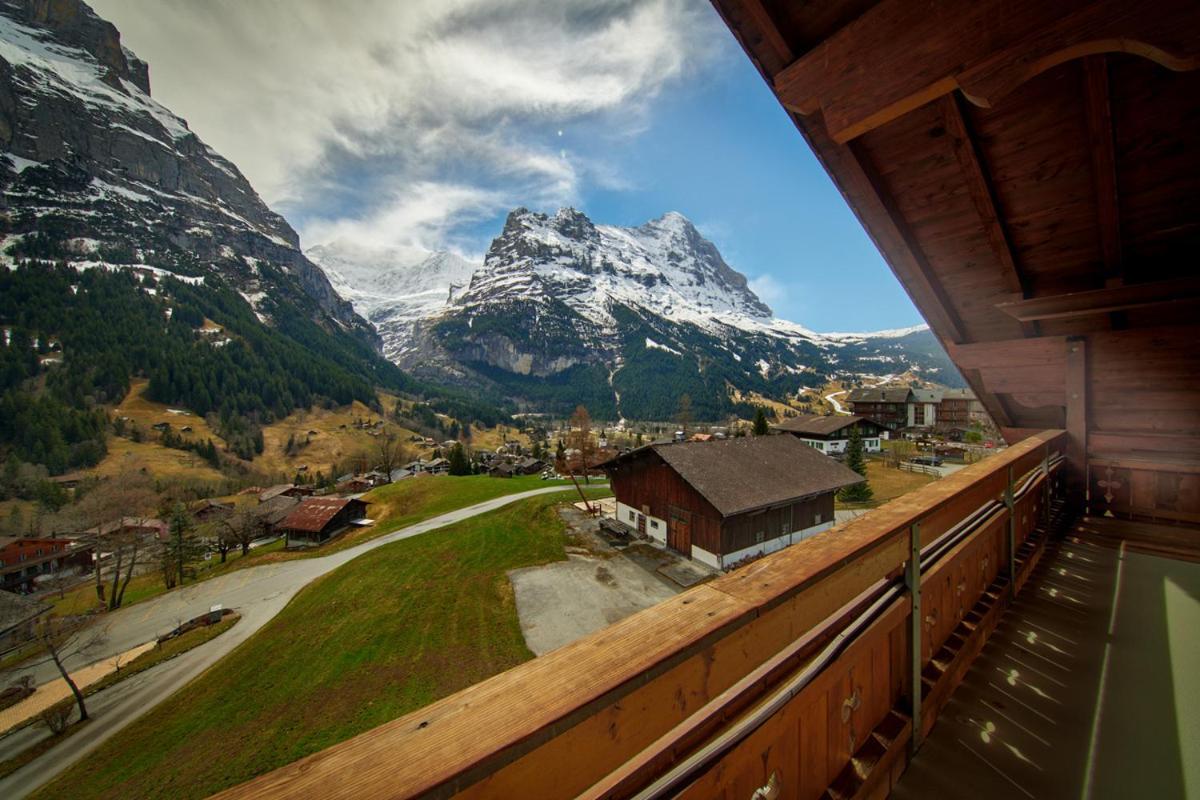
x,y
1026,627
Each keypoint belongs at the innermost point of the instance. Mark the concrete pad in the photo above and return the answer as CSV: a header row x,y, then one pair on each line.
x,y
686,573
564,601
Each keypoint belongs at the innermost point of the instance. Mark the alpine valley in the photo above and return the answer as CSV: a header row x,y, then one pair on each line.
x,y
624,320
132,251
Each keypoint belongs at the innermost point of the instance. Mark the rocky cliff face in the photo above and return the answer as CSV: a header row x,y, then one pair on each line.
x,y
97,171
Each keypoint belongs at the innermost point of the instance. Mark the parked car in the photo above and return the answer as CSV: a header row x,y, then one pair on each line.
x,y
928,461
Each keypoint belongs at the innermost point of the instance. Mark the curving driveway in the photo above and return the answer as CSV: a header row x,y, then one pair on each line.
x,y
258,593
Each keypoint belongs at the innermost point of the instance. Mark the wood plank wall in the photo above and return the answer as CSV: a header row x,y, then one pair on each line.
x,y
1144,424
648,483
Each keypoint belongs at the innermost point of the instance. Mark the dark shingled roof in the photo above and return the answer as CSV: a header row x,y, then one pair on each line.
x,y
746,474
893,395
277,508
314,513
818,424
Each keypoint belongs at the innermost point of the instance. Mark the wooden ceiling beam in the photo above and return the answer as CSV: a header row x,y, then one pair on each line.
x,y
979,186
1104,164
755,29
1103,301
901,55
912,267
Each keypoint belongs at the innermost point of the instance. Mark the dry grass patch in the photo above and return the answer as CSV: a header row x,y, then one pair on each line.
x,y
888,483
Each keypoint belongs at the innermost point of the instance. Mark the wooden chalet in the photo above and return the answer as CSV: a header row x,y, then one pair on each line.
x,y
886,407
961,409
1030,172
316,520
25,560
723,502
831,434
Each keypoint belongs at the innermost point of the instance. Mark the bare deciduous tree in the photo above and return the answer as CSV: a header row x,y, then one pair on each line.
x,y
101,513
61,638
392,452
239,529
580,438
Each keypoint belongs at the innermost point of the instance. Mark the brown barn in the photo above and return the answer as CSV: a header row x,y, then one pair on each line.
x,y
318,519
722,501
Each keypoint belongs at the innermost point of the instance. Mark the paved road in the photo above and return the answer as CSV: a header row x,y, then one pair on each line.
x,y
259,593
837,407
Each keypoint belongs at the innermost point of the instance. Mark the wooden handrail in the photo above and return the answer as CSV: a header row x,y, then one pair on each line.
x,y
558,724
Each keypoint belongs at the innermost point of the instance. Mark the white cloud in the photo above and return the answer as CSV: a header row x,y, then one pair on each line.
x,y
769,290
418,217
353,115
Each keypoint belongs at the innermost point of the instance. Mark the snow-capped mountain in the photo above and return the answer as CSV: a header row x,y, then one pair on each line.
x,y
564,311
93,170
393,287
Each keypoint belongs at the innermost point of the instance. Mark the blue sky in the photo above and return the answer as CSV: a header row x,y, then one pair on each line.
x,y
422,123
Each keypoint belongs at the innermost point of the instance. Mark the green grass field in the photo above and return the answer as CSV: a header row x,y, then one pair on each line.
x,y
386,634
394,506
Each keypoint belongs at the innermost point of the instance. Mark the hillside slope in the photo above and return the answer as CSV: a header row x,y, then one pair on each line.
x,y
122,236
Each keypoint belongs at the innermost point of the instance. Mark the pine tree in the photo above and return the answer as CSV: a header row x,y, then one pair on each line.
x,y
859,492
761,428
459,465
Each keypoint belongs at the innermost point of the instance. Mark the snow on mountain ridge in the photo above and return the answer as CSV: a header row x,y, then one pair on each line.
x,y
393,287
664,266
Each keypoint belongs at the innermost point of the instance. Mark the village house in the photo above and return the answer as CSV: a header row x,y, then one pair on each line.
x,y
832,434
147,527
887,408
721,502
960,409
437,466
355,484
502,469
275,511
288,489
210,510
23,560
316,520
923,408
899,408
529,465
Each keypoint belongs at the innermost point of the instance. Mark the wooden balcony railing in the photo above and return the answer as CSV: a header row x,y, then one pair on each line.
x,y
793,675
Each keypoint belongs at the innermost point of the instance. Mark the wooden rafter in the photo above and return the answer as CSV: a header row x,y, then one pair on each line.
x,y
765,27
982,195
901,55
913,269
1104,164
1103,301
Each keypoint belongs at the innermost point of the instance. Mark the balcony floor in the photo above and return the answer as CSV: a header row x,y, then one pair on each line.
x,y
1089,686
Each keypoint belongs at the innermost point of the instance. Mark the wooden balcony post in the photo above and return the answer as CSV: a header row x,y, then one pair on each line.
x,y
912,581
1046,488
1077,417
1012,530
